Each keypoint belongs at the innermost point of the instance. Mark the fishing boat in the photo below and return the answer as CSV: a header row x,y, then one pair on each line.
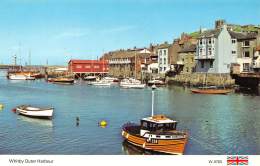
x,y
156,133
211,91
62,80
36,112
132,83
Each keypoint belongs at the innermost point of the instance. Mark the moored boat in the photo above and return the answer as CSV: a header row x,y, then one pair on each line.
x,y
132,83
62,80
211,91
156,133
156,82
101,83
36,112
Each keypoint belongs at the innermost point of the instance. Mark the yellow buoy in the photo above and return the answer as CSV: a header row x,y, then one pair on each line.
x,y
103,123
1,106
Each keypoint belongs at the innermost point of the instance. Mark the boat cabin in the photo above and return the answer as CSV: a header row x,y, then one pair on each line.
x,y
157,124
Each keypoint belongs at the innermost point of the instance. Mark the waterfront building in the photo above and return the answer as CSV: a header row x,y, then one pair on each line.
x,y
214,51
80,68
256,59
186,58
246,44
163,53
128,63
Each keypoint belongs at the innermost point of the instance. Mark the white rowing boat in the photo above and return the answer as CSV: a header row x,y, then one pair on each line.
x,y
36,112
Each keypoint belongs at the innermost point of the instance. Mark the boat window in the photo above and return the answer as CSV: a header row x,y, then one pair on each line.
x,y
167,136
144,125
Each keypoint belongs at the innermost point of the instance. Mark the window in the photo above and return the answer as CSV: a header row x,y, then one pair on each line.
x,y
87,66
246,43
233,41
246,66
78,66
202,64
187,69
96,67
160,68
164,68
164,60
234,52
246,54
210,52
200,50
200,41
212,41
211,64
209,41
164,52
160,52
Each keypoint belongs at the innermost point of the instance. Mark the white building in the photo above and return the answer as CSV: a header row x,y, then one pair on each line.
x,y
163,58
216,51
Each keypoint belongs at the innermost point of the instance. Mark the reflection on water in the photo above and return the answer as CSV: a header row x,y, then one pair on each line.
x,y
36,122
130,149
248,91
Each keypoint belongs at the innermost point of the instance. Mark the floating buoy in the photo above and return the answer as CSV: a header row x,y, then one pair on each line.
x,y
1,106
103,123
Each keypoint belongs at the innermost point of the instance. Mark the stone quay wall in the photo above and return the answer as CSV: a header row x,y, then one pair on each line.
x,y
202,79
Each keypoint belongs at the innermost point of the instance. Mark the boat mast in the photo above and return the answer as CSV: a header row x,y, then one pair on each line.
x,y
152,102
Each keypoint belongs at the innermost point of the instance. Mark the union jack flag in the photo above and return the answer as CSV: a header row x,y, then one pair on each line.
x,y
237,160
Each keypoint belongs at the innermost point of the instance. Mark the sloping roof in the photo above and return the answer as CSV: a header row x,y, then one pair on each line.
x,y
210,33
164,45
242,35
188,48
87,61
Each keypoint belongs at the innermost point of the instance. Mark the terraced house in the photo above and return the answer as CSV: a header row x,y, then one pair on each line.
x,y
246,43
163,52
215,51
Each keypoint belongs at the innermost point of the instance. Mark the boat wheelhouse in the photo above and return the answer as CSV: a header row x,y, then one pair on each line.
x,y
156,133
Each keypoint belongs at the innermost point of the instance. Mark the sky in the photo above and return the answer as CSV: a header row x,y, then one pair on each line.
x,y
59,30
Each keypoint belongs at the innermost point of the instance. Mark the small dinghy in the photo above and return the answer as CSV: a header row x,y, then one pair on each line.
x,y
35,112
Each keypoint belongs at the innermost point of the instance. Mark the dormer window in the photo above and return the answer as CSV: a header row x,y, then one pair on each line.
x,y
233,41
246,43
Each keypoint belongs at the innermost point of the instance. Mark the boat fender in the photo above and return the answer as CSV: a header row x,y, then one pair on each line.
x,y
123,132
127,135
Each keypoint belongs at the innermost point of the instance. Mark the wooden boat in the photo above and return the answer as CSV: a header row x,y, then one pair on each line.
x,y
62,80
36,112
211,91
156,133
20,76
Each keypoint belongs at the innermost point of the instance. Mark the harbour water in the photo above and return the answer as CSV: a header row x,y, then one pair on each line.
x,y
217,124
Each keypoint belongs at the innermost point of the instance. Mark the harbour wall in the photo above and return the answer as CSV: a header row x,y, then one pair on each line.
x,y
202,79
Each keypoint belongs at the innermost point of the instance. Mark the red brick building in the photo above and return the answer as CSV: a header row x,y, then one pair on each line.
x,y
79,67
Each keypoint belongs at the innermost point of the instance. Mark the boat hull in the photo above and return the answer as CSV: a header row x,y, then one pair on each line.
x,y
169,146
211,91
134,86
43,113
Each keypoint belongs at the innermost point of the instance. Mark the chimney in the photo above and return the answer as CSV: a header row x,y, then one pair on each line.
x,y
219,23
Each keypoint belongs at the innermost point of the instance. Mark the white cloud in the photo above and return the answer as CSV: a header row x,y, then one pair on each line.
x,y
118,29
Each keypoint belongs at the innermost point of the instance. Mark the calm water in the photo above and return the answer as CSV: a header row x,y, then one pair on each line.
x,y
217,124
